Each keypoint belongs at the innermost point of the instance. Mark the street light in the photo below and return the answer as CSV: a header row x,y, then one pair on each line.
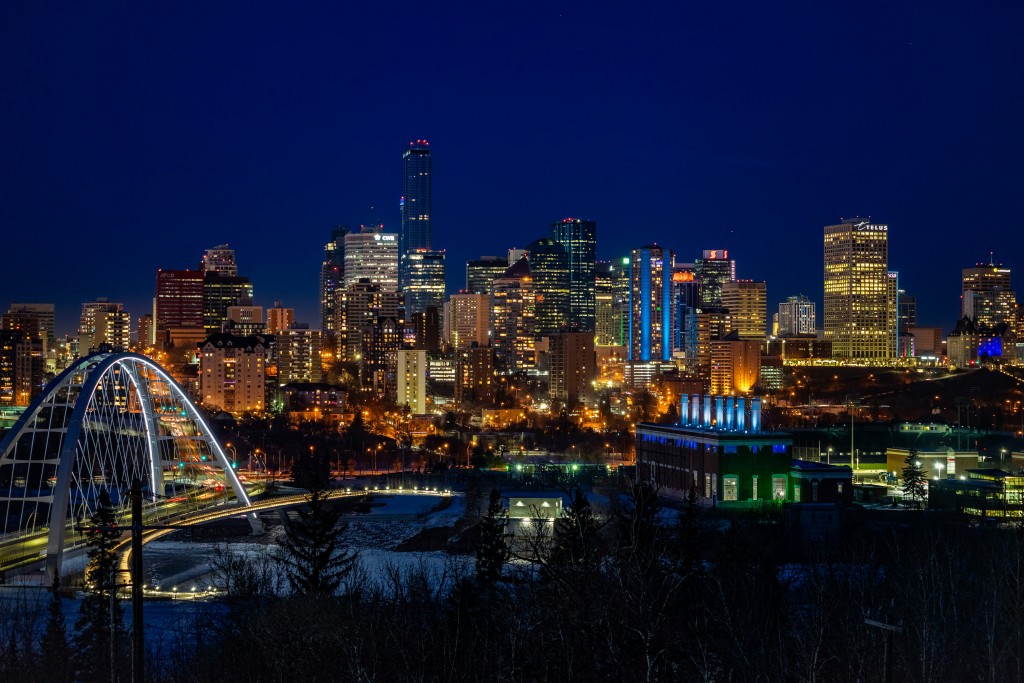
x,y
938,470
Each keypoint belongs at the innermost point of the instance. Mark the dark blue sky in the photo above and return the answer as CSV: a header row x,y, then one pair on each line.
x,y
137,134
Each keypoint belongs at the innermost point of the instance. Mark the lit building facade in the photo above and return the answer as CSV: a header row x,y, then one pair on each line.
x,y
104,323
512,318
424,283
480,273
651,316
280,318
474,376
221,292
362,304
579,238
857,319
797,317
298,355
735,365
220,259
411,379
549,268
468,320
685,301
747,303
572,366
372,254
332,280
232,373
415,206
179,305
713,269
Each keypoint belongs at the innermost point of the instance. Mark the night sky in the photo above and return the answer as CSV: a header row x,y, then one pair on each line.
x,y
135,135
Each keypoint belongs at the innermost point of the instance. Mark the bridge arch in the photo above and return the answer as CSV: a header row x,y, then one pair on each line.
x,y
108,419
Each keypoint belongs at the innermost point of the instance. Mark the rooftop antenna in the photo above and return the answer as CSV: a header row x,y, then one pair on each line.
x,y
991,258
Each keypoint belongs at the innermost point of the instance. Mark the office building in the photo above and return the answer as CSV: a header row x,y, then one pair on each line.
x,y
892,323
971,343
372,254
474,376
572,367
685,298
424,280
480,273
796,317
221,260
22,357
549,267
579,238
735,365
411,379
44,313
298,355
512,318
378,355
982,278
651,316
857,312
747,303
332,281
178,308
220,292
467,321
145,333
713,270
426,329
605,331
232,373
415,205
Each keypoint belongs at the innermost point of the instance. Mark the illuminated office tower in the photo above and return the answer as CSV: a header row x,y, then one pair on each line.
x,y
892,323
605,331
579,237
685,301
424,281
220,259
621,294
747,303
713,270
372,254
415,205
857,317
797,317
220,292
411,380
651,316
987,294
179,308
549,268
512,318
468,320
480,273
332,280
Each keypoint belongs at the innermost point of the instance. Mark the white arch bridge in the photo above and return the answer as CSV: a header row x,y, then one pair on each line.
x,y
107,420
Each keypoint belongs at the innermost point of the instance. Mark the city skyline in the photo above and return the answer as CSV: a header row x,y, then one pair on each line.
x,y
144,165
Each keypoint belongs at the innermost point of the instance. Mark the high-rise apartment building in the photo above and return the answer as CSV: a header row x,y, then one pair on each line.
x,y
480,273
232,373
651,315
579,238
857,317
712,270
467,321
735,365
145,334
474,376
411,380
747,303
512,318
572,366
178,306
332,280
797,317
424,280
378,356
372,254
104,324
44,313
220,292
298,355
549,268
426,329
415,205
280,318
362,305
220,259
22,354
685,300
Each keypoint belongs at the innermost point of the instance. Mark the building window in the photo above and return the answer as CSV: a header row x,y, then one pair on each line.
x,y
753,489
730,487
779,487
796,492
707,485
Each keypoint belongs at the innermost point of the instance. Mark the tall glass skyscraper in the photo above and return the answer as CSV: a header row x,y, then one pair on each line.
x,y
651,315
415,205
857,311
332,279
424,285
549,266
712,270
579,237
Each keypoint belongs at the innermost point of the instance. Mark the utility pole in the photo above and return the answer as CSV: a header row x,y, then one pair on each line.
x,y
138,627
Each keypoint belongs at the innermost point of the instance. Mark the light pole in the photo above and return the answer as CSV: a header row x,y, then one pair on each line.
x,y
938,470
828,458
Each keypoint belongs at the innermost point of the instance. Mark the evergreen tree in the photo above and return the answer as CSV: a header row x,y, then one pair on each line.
x,y
492,551
100,639
314,560
54,652
913,477
574,548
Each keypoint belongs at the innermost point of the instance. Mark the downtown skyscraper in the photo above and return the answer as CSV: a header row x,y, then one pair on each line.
x,y
415,205
858,319
579,237
651,315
